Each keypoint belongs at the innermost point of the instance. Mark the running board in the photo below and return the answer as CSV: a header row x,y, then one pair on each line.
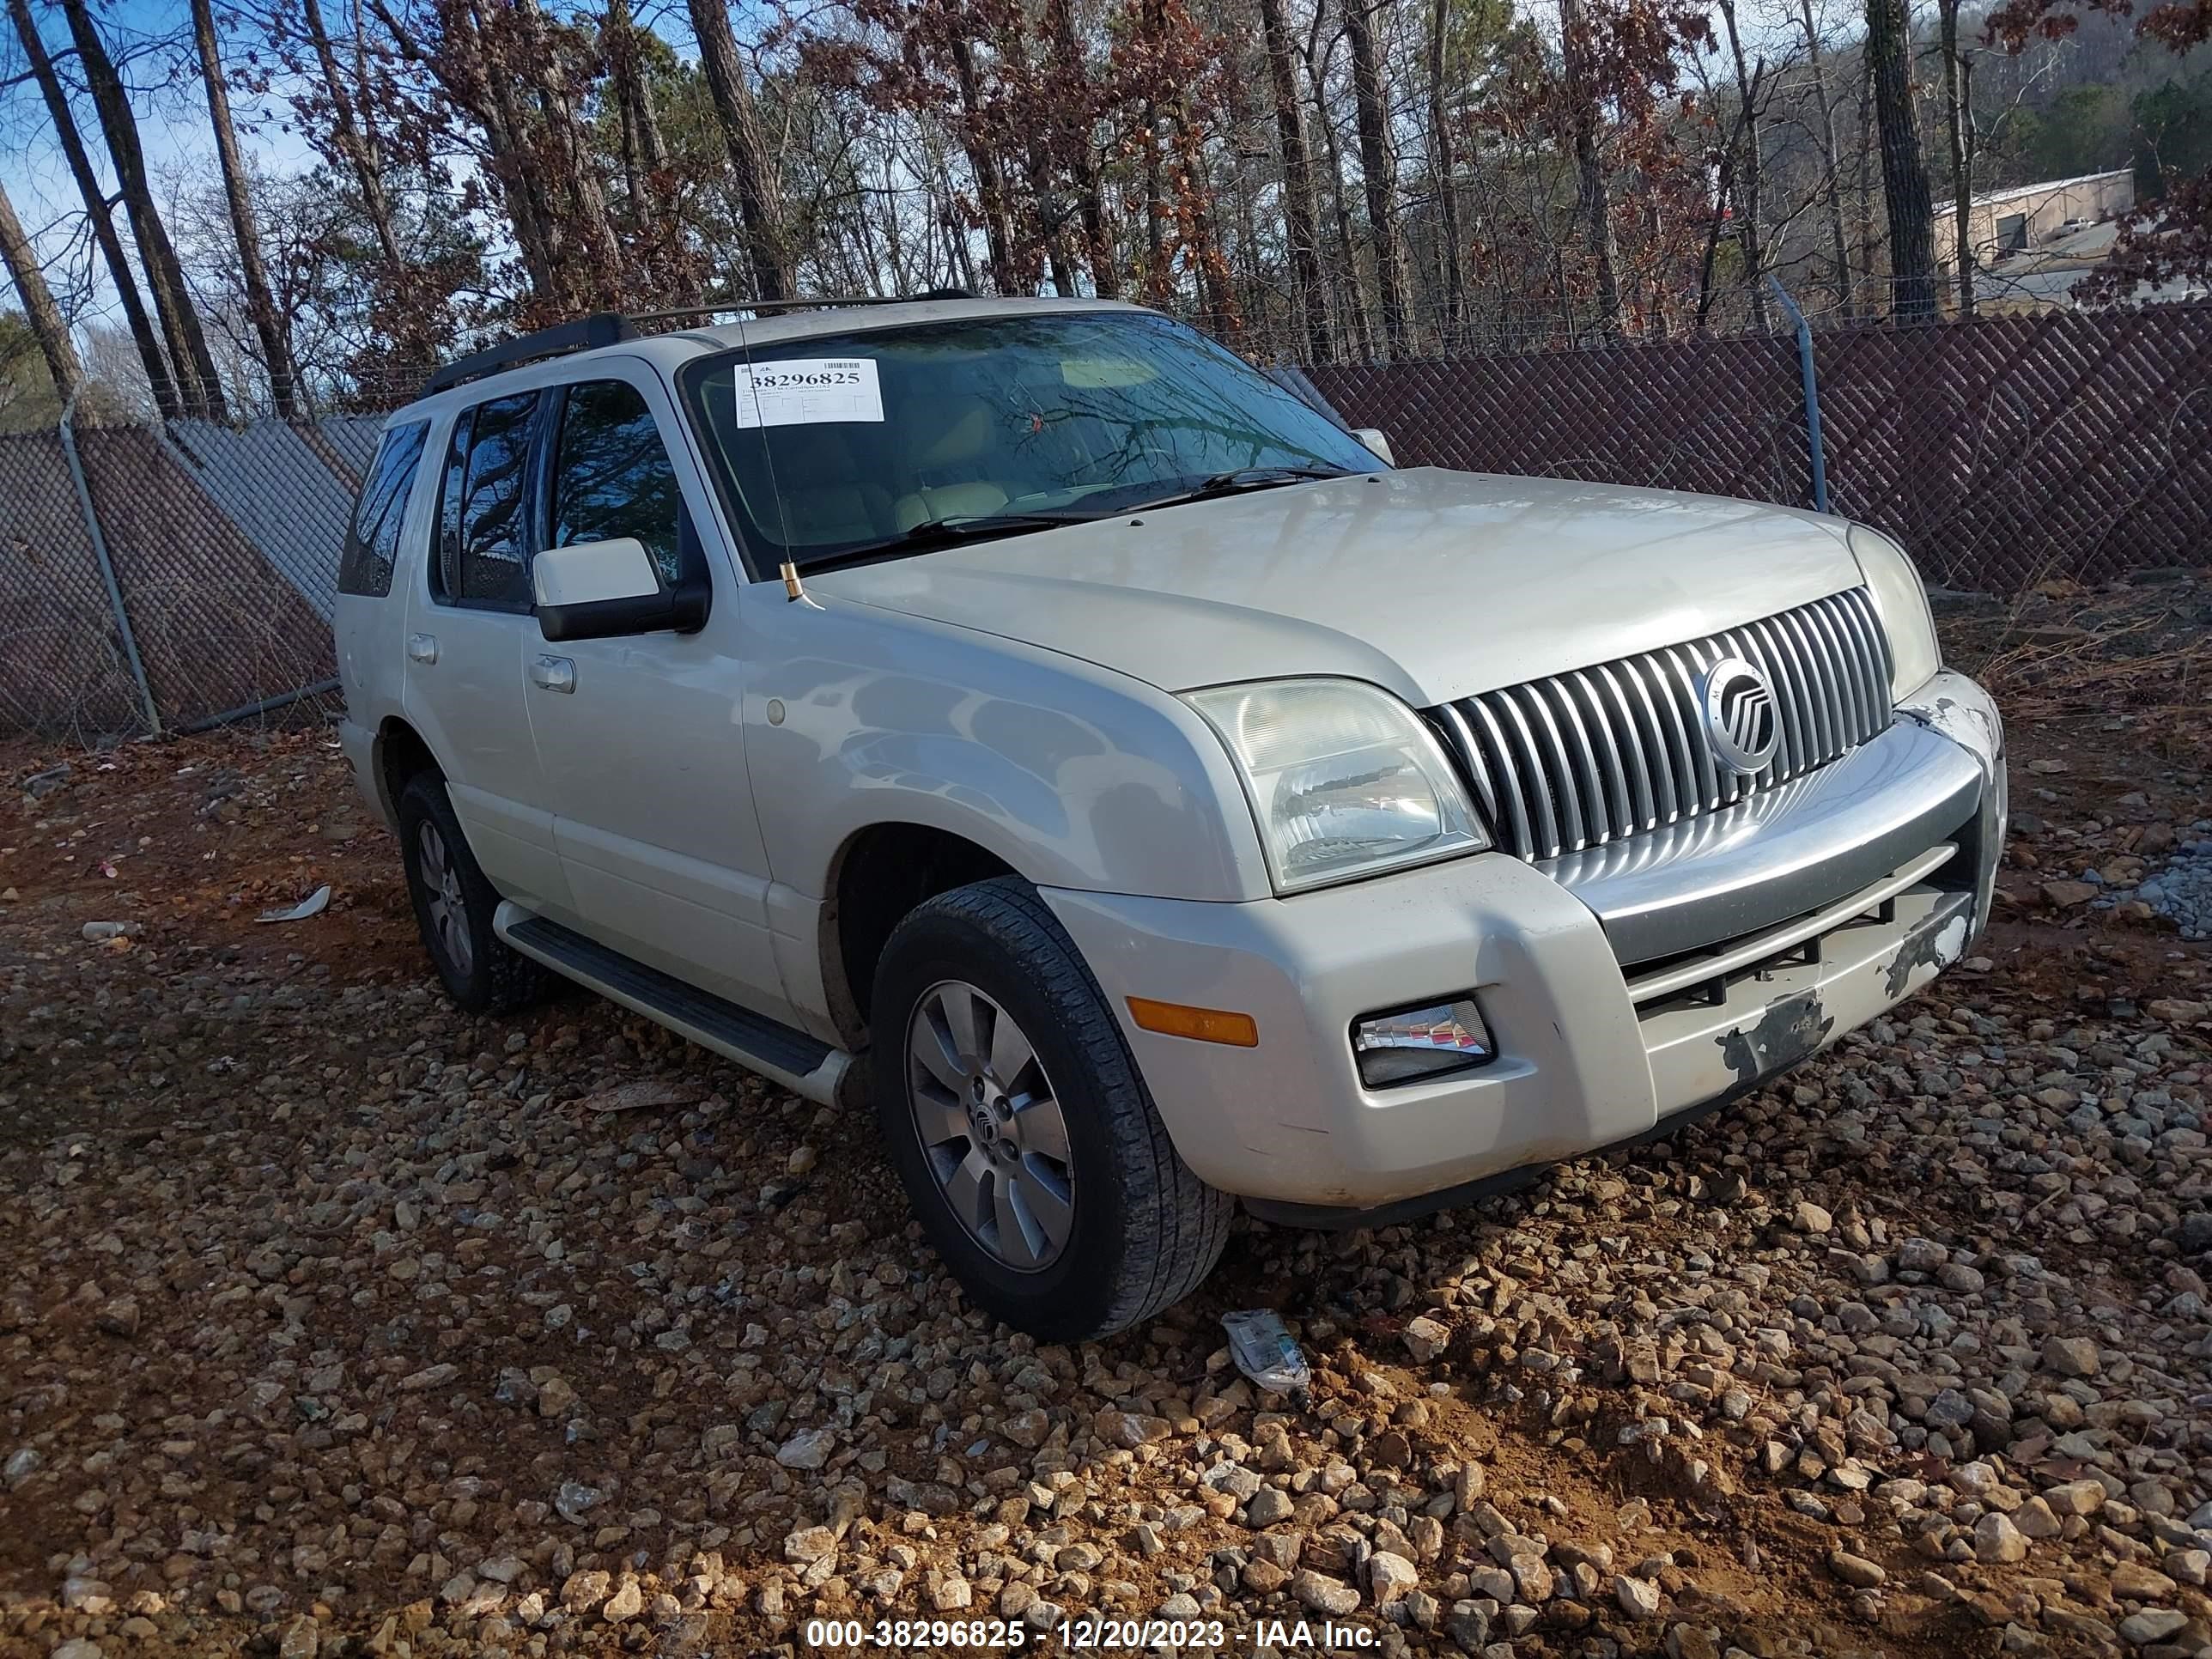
x,y
807,1065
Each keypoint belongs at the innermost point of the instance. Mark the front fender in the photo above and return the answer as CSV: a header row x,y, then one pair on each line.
x,y
1071,775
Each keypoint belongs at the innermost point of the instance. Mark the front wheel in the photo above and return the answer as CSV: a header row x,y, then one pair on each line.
x,y
1015,1115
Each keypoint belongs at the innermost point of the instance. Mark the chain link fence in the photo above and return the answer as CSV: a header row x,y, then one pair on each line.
x,y
156,579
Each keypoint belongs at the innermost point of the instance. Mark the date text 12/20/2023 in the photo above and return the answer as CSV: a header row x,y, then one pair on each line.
x,y
1085,1634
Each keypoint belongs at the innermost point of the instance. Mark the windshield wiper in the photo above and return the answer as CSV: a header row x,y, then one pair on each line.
x,y
933,533
1238,480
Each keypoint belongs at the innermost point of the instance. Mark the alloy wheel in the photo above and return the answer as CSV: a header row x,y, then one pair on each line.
x,y
449,910
990,1125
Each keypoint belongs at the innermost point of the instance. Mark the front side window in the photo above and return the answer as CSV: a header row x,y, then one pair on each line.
x,y
883,440
612,476
484,551
372,543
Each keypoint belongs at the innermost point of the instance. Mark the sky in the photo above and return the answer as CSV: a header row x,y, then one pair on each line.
x,y
172,127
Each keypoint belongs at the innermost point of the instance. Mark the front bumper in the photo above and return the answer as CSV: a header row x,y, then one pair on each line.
x,y
1615,1001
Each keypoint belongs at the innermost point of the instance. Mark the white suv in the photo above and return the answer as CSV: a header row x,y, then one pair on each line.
x,y
1025,714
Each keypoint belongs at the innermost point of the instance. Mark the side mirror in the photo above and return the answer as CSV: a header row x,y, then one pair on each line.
x,y
598,590
1377,445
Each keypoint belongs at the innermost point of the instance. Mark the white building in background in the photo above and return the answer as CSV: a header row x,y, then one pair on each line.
x,y
2007,222
2032,244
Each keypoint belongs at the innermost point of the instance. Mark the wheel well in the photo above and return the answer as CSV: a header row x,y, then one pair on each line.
x,y
400,754
881,874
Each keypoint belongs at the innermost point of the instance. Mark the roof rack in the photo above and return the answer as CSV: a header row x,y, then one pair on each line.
x,y
602,328
818,302
606,328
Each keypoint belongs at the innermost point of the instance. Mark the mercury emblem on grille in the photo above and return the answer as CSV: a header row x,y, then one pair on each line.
x,y
1742,726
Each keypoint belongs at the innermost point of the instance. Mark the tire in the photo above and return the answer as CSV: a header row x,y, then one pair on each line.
x,y
1140,1232
481,972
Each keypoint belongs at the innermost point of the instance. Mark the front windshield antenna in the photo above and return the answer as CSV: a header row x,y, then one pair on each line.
x,y
794,590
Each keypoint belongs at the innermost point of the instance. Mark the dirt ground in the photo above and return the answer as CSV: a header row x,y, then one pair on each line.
x,y
333,1322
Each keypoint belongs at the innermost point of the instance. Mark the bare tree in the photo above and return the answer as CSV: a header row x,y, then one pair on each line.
x,y
1832,189
1441,169
1957,121
354,138
759,201
45,317
260,304
97,212
1297,182
1074,132
1751,195
190,361
1379,168
1593,201
1904,169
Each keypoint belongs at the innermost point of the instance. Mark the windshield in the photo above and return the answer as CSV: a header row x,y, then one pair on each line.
x,y
896,440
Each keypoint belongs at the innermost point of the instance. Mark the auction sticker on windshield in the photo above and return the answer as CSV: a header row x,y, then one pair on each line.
x,y
808,391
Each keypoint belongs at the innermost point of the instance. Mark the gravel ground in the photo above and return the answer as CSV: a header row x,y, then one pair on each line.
x,y
334,1322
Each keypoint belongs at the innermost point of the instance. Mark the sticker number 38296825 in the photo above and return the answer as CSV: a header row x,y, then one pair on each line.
x,y
808,391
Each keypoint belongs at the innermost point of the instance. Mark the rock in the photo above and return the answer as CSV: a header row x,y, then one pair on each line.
x,y
1425,1339
809,1545
557,1398
1130,1429
119,1316
2082,1496
1637,1598
1324,1595
574,1499
2134,1582
625,1604
2071,1356
1809,1218
1855,1570
430,1376
582,1592
76,1647
951,1595
2066,894
1268,1506
1468,1624
2151,1625
810,1449
22,1463
1997,1541
1389,1578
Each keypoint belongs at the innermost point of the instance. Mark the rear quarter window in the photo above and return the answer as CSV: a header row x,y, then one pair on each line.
x,y
372,543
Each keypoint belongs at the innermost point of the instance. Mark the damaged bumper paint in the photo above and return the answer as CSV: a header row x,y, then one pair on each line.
x,y
1591,1052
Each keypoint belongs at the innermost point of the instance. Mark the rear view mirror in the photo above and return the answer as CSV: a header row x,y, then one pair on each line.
x,y
596,590
1377,445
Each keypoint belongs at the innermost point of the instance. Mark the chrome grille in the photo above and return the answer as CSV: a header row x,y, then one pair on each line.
x,y
1598,754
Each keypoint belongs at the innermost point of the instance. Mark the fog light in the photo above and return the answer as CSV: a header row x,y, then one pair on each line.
x,y
1409,1044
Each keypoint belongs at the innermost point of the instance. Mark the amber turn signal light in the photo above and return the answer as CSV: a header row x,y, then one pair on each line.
x,y
1204,1025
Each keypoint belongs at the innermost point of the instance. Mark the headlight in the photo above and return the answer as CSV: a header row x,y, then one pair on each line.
x,y
1344,780
1902,602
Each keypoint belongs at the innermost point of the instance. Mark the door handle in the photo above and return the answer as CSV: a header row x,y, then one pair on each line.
x,y
422,648
554,674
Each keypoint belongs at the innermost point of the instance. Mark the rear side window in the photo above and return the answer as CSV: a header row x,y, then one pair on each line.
x,y
484,553
372,543
612,476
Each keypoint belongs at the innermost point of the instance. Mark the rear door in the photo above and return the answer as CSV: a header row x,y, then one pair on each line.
x,y
642,737
470,634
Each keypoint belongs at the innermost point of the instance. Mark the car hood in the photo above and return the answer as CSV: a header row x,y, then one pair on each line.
x,y
1434,585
